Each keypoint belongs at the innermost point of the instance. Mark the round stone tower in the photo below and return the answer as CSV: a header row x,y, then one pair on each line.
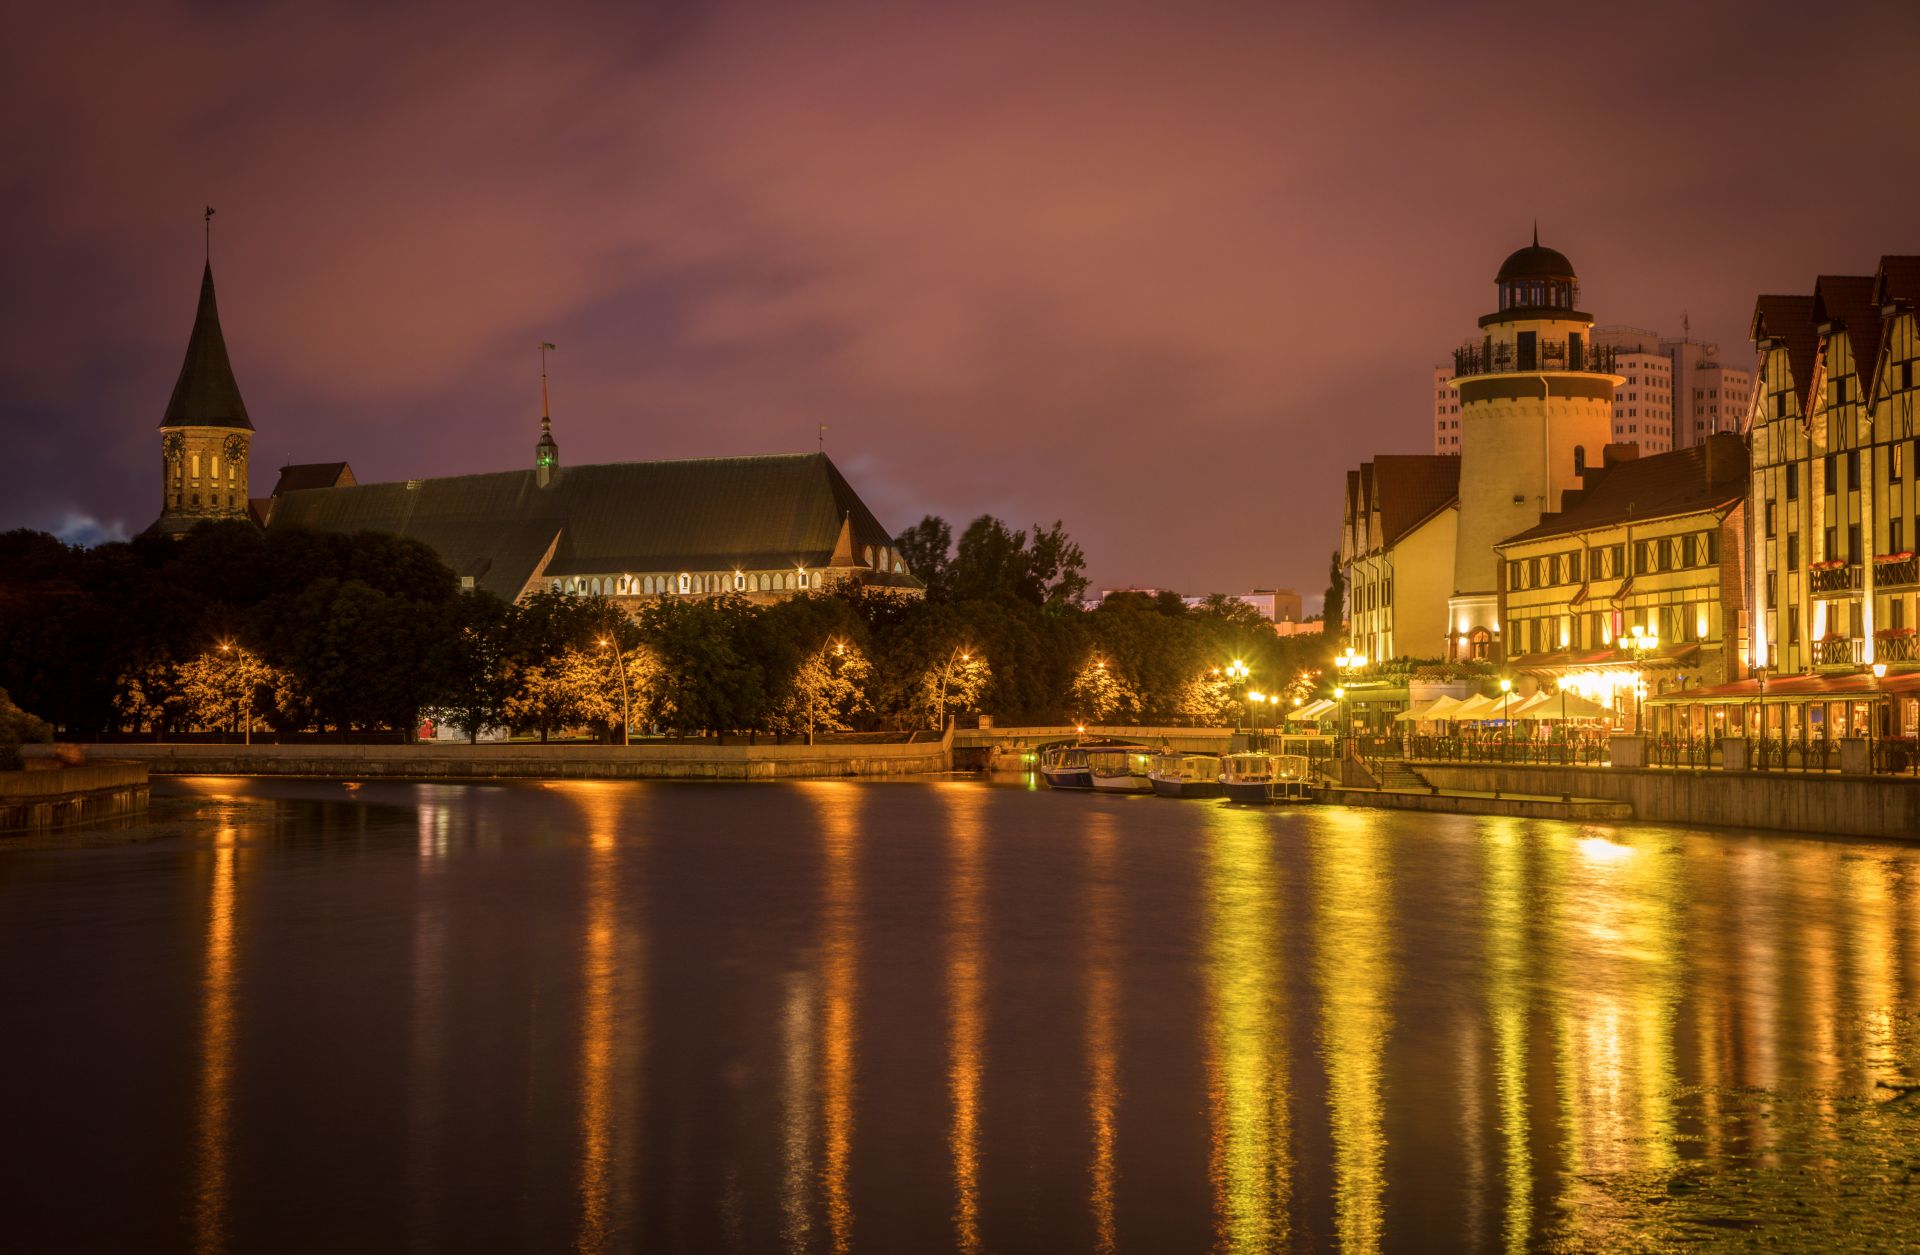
x,y
205,436
1536,406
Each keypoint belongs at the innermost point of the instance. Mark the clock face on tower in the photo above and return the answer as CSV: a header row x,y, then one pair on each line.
x,y
171,447
236,448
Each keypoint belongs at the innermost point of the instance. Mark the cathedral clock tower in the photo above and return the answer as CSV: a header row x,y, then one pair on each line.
x,y
205,435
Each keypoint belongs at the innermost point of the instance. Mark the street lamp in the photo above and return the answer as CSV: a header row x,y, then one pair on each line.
x,y
1259,699
1237,673
1348,662
1641,641
1340,695
1506,707
964,655
626,701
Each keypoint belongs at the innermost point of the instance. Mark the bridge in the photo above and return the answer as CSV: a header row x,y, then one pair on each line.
x,y
1008,747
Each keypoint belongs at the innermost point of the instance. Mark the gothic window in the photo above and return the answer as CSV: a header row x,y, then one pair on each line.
x,y
686,582
739,582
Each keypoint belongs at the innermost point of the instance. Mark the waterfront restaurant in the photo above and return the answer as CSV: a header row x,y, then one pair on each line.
x,y
1795,709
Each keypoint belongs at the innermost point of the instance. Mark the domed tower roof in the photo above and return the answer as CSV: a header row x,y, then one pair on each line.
x,y
1535,262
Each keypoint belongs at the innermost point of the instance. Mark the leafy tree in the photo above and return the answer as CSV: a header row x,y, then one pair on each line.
x,y
18,728
927,547
224,687
477,673
708,679
1101,692
954,686
148,697
1333,615
826,690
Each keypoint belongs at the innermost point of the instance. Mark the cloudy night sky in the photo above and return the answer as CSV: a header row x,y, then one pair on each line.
x,y
1163,271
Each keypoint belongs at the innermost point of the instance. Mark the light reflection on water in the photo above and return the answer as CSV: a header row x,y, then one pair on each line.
x,y
610,1016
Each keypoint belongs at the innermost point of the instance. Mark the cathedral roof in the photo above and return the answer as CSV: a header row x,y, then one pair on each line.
x,y
706,514
206,395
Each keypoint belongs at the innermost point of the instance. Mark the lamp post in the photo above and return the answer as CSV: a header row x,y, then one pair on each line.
x,y
1258,699
1237,673
1340,742
626,702
1641,641
1348,662
965,655
1506,707
1873,711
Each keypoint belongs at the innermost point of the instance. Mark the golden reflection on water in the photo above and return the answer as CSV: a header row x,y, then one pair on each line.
x,y
1355,974
1616,911
839,809
1103,993
1250,1156
216,1051
966,1014
426,1086
611,965
1508,980
799,1116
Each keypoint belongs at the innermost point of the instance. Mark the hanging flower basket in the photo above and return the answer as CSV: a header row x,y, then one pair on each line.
x,y
1902,556
1831,564
1887,634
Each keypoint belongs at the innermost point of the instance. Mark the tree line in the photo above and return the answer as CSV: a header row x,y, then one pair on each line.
x,y
233,629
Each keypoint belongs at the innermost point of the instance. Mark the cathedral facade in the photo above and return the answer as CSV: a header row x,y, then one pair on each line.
x,y
766,527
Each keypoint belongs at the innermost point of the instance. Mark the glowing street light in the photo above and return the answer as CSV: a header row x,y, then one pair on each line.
x,y
626,702
1506,709
1642,641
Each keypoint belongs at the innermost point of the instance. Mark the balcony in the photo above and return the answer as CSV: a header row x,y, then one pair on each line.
x,y
1549,355
1838,651
1896,645
1897,570
1833,579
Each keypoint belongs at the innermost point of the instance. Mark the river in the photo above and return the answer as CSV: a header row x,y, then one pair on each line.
x,y
923,1016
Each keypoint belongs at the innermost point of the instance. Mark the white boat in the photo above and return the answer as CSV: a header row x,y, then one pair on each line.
x,y
1261,778
1066,767
1178,774
1120,768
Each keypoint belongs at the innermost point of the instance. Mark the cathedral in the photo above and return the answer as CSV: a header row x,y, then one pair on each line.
x,y
764,527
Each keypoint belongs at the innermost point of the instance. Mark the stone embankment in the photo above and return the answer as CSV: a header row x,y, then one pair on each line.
x,y
651,761
53,797
1774,801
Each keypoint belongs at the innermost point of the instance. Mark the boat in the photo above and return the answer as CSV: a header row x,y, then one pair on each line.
x,y
1120,768
1066,767
1261,778
1177,774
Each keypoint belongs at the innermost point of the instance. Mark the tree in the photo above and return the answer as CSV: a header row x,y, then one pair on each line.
x,y
1206,699
926,547
1101,692
147,696
224,687
954,686
826,690
18,728
709,679
476,674
1059,566
1333,615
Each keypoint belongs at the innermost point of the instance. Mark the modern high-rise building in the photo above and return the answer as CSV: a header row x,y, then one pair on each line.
x,y
1676,394
1678,391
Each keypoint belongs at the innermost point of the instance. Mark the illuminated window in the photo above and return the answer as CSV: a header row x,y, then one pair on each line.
x,y
686,582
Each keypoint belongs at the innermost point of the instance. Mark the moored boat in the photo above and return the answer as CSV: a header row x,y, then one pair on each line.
x,y
1066,767
1177,774
1264,778
1120,769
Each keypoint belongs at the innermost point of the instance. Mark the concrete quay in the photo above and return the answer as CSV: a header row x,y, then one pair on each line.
x,y
512,760
1458,802
1773,801
54,797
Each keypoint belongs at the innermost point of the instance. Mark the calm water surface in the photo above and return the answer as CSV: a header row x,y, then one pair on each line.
x,y
944,1016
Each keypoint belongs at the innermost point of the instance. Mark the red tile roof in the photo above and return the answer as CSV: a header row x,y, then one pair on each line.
x,y
1654,487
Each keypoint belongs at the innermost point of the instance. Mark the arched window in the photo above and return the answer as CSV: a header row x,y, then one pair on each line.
x,y
869,555
739,582
686,582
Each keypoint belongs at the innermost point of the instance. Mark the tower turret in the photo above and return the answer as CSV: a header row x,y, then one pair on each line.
x,y
205,435
546,454
1536,406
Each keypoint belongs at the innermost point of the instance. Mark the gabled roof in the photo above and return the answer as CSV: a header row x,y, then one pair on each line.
x,y
704,514
1657,487
1848,300
206,395
1409,487
1790,320
303,475
1897,279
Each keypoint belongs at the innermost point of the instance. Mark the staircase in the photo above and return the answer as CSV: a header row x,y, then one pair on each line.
x,y
1393,773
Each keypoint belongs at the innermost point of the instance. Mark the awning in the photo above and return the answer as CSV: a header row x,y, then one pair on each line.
x,y
1313,711
1549,706
1476,709
1416,712
1838,687
1441,707
1665,658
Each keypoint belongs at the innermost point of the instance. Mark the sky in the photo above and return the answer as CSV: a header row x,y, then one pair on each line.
x,y
1161,271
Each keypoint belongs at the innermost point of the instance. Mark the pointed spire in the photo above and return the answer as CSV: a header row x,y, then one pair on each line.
x,y
843,551
206,395
546,454
1536,233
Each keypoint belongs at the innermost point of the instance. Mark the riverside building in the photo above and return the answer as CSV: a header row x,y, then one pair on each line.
x,y
1397,540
